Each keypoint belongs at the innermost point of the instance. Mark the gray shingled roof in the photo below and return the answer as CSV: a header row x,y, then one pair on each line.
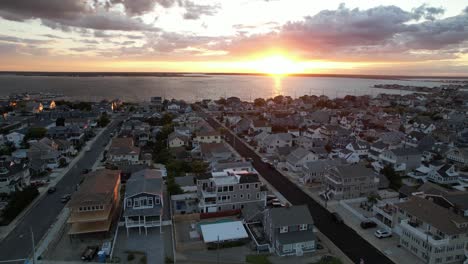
x,y
144,181
444,220
289,216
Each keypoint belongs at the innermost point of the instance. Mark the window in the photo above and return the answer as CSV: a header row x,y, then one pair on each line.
x,y
256,186
248,196
247,186
258,196
136,203
242,196
225,189
284,229
231,188
157,200
303,227
241,186
143,201
150,201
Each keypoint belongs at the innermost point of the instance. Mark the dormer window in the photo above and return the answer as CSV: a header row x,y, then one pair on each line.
x,y
303,227
284,229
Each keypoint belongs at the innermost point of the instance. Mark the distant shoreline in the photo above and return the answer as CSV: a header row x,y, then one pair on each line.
x,y
194,74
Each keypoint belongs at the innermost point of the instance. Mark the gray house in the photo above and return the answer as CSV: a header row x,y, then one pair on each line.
x,y
143,202
290,230
229,190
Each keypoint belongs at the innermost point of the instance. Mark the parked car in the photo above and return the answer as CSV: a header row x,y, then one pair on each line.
x,y
337,218
265,160
368,224
382,233
89,253
65,198
51,190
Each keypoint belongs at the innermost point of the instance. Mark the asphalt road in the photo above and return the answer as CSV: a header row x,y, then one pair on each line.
x,y
18,244
344,237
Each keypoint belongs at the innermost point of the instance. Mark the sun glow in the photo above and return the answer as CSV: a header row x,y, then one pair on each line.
x,y
277,65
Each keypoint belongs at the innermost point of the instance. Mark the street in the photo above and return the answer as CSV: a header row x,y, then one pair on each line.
x,y
18,245
345,238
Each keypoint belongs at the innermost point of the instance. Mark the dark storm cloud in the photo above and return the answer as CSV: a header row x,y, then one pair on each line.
x,y
379,32
68,14
195,11
427,12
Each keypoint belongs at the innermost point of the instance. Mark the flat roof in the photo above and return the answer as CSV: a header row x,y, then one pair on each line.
x,y
223,231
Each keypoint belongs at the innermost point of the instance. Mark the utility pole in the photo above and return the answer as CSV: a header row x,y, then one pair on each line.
x,y
217,251
33,246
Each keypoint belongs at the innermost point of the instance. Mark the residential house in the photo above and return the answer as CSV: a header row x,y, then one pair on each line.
x,y
432,233
71,133
215,152
361,148
33,107
94,206
314,171
349,156
122,151
177,140
15,138
187,183
232,165
445,174
376,149
207,137
271,142
298,158
259,125
349,181
400,159
458,155
143,201
43,155
290,230
229,190
13,176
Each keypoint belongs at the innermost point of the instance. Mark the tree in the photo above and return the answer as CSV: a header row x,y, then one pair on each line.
x,y
35,133
103,120
62,162
199,167
167,119
172,187
392,176
259,102
278,99
60,121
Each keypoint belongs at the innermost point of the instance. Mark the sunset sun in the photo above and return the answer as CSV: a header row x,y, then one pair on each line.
x,y
277,65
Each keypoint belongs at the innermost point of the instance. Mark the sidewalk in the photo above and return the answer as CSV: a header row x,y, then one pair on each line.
x,y
5,230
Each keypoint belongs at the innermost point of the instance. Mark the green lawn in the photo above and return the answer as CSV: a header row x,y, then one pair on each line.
x,y
257,259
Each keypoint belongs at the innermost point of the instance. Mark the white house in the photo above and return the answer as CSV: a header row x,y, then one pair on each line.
x,y
273,141
298,158
176,140
15,138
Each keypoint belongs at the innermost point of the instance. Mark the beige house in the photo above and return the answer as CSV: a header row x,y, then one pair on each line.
x,y
176,140
207,137
123,151
432,233
94,206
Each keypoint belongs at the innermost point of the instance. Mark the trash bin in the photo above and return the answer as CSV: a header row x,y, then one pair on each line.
x,y
101,256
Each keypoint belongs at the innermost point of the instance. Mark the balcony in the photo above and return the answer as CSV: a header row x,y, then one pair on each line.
x,y
209,193
418,231
142,223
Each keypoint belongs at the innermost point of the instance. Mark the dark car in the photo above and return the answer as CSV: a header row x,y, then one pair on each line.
x,y
65,198
51,190
368,224
89,253
337,218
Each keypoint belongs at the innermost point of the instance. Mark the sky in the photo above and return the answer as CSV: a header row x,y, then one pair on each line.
x,y
397,37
